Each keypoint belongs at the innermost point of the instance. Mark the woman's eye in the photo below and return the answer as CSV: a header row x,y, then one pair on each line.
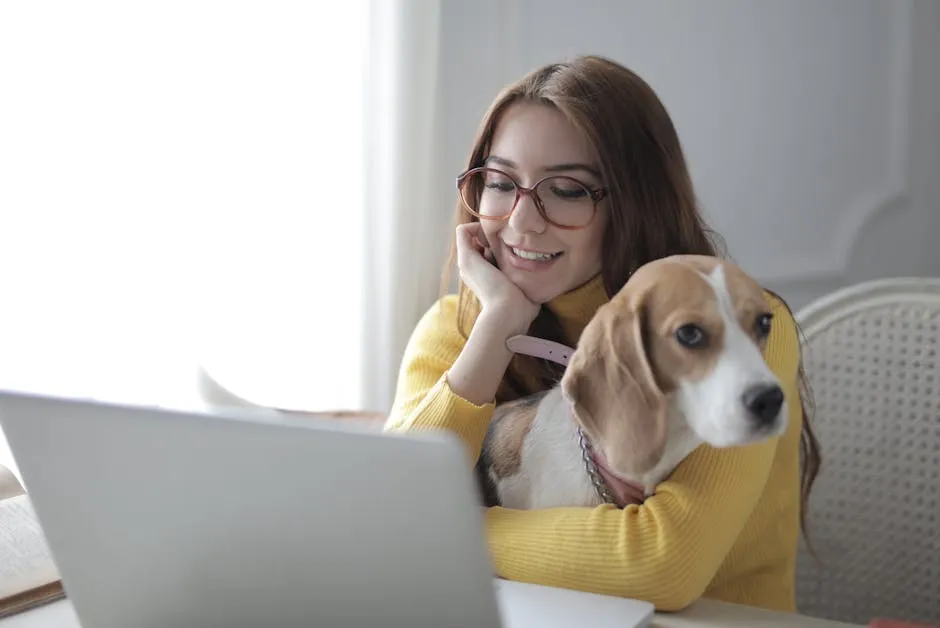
x,y
691,336
569,193
501,186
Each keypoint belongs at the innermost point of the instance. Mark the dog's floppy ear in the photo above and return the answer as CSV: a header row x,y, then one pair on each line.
x,y
613,392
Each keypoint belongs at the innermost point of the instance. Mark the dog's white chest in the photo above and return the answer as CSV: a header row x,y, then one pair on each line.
x,y
552,471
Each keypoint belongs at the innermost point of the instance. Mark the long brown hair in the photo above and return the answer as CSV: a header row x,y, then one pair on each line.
x,y
653,208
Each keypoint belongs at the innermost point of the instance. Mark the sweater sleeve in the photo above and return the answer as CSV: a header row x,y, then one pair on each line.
x,y
424,398
668,549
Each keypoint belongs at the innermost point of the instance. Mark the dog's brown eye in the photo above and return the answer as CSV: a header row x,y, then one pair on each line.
x,y
762,326
690,336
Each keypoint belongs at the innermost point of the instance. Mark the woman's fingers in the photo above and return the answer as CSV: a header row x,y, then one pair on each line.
x,y
473,239
473,235
482,277
481,240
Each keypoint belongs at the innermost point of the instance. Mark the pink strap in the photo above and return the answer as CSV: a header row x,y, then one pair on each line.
x,y
539,348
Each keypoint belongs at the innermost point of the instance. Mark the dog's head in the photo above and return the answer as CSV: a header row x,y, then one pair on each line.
x,y
686,329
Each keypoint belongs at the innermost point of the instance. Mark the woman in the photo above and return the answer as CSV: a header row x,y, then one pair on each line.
x,y
611,192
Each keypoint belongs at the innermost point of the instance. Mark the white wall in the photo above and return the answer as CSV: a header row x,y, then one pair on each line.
x,y
812,128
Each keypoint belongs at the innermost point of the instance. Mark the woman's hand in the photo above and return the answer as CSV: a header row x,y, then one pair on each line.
x,y
506,311
499,298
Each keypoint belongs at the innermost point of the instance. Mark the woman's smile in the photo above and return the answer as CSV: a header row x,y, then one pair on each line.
x,y
530,260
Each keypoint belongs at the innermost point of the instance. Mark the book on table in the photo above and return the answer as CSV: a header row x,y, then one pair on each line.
x,y
28,574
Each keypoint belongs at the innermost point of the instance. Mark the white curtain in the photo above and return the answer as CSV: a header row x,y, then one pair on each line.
x,y
251,187
408,187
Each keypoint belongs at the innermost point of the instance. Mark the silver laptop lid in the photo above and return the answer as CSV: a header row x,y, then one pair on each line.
x,y
162,518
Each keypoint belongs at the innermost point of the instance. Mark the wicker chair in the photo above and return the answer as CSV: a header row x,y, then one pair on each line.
x,y
872,355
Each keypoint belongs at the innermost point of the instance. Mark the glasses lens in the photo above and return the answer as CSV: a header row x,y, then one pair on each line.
x,y
567,202
488,193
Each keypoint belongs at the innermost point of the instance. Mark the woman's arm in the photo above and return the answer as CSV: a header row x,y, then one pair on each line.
x,y
448,383
668,549
477,372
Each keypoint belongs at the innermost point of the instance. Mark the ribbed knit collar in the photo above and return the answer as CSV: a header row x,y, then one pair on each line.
x,y
575,308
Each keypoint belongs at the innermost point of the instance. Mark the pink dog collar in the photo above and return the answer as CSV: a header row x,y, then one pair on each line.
x,y
624,492
540,348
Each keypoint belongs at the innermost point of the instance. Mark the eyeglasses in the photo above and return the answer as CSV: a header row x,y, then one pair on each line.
x,y
562,201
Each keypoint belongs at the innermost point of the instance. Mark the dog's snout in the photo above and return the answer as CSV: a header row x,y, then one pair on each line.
x,y
763,402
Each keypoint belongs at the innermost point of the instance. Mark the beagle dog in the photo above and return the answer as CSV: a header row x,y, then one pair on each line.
x,y
672,361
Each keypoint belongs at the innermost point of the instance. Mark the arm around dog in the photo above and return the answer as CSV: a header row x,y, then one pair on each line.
x,y
669,549
448,382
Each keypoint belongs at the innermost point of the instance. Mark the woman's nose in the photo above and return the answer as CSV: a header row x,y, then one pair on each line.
x,y
525,217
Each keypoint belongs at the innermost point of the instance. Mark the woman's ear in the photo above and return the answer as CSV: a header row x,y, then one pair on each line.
x,y
613,392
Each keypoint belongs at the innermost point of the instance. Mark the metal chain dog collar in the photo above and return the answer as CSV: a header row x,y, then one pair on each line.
x,y
600,485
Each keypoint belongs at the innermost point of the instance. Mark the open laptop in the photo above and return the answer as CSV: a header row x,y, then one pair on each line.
x,y
169,518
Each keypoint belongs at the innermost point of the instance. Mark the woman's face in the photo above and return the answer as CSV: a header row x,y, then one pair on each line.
x,y
532,141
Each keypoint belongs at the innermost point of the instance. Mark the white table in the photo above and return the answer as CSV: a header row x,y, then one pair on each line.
x,y
703,614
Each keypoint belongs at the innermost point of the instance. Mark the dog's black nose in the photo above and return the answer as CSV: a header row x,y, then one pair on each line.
x,y
763,402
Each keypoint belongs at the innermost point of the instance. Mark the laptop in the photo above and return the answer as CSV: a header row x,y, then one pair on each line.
x,y
171,518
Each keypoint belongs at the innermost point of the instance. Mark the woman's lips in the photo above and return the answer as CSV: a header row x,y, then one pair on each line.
x,y
531,260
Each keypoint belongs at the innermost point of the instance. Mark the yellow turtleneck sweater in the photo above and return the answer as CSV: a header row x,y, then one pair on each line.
x,y
724,525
